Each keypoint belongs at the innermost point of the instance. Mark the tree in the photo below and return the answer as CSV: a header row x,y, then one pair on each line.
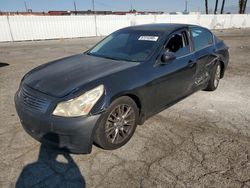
x,y
216,6
244,6
222,7
241,3
206,6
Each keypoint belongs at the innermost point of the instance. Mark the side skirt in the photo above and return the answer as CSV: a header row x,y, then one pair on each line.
x,y
144,117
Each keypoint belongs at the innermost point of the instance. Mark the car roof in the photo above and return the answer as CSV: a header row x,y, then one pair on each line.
x,y
160,27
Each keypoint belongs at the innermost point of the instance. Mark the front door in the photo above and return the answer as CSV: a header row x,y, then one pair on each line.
x,y
176,77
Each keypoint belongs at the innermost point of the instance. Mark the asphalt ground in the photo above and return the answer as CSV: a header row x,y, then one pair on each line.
x,y
203,141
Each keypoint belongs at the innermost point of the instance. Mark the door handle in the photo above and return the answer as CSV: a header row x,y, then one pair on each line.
x,y
191,63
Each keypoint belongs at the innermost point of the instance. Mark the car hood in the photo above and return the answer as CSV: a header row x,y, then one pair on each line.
x,y
60,77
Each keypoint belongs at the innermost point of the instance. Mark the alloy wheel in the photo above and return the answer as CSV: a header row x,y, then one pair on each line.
x,y
217,76
119,124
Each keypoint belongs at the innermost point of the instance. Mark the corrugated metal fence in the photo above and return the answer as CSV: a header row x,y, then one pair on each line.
x,y
19,28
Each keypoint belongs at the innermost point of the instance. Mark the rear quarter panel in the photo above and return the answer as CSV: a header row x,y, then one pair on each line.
x,y
223,53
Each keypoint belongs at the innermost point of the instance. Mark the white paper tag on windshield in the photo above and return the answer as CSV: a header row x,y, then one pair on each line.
x,y
148,38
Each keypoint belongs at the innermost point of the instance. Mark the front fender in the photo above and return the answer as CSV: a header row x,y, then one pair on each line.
x,y
108,98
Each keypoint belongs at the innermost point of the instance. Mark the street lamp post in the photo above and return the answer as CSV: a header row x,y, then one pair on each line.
x,y
93,7
25,5
75,7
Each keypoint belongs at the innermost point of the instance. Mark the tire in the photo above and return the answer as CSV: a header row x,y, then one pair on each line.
x,y
117,125
215,78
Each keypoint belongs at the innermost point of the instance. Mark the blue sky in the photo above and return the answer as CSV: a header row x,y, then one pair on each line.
x,y
114,5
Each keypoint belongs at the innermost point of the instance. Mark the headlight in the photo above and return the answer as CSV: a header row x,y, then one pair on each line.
x,y
81,105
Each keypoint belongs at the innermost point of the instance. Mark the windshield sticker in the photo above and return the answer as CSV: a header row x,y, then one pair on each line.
x,y
148,38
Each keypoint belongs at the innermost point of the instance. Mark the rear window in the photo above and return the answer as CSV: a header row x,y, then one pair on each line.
x,y
201,37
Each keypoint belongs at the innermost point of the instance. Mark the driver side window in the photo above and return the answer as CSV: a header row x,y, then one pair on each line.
x,y
178,44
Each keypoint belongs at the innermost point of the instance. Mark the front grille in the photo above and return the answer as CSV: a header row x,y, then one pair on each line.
x,y
32,101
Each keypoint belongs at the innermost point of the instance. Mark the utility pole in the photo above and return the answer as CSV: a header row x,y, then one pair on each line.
x,y
25,5
186,5
131,5
75,7
93,7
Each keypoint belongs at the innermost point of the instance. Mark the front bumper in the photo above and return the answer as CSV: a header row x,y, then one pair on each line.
x,y
73,134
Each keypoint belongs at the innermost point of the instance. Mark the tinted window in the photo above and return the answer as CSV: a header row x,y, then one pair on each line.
x,y
127,45
201,38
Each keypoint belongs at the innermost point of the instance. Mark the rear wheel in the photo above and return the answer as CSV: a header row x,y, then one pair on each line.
x,y
117,124
215,78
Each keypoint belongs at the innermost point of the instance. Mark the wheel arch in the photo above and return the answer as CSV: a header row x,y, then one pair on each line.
x,y
222,64
137,101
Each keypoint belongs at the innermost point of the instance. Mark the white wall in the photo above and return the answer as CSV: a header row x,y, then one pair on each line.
x,y
4,29
19,28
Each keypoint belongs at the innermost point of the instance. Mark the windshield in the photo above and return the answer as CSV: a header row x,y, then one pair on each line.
x,y
127,45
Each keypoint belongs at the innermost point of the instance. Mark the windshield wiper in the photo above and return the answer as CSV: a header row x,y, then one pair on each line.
x,y
130,60
107,57
112,58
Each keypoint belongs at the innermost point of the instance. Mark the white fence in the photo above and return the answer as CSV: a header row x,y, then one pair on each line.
x,y
19,28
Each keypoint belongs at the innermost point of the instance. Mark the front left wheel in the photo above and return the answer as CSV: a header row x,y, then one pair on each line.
x,y
117,125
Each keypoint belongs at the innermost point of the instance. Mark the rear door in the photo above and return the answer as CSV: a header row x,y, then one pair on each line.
x,y
203,46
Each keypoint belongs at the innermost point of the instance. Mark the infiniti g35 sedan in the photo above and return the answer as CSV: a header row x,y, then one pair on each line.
x,y
101,95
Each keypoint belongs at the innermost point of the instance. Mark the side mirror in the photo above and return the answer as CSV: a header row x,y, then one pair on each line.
x,y
167,56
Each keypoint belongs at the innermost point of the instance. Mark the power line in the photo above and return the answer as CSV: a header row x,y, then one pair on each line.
x,y
112,7
103,4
